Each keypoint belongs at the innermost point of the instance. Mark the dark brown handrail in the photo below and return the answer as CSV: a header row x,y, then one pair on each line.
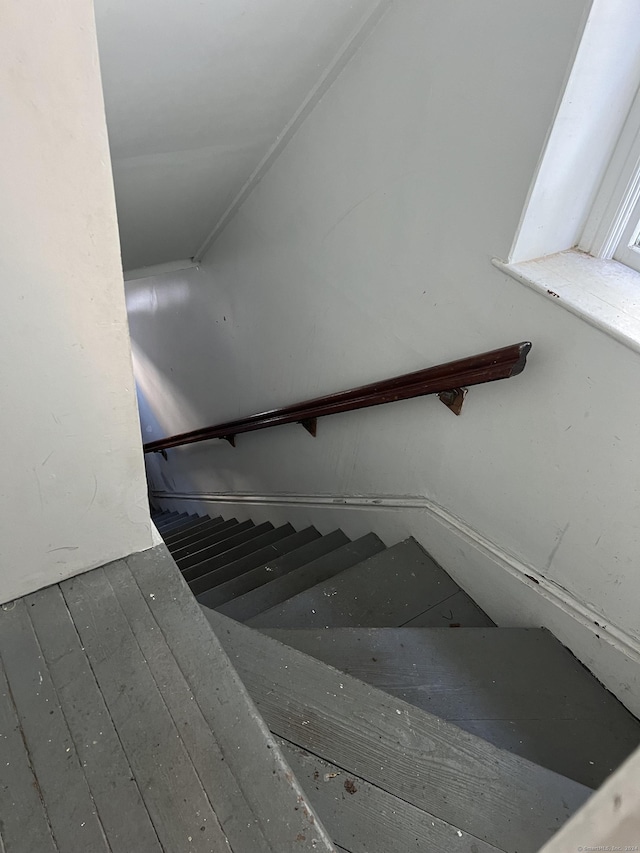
x,y
474,370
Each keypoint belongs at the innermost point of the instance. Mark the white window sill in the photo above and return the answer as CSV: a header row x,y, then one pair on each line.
x,y
604,293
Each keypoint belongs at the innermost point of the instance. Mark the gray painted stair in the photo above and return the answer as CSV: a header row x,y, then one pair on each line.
x,y
158,518
177,540
241,533
240,568
273,569
364,818
390,588
465,781
183,551
403,735
518,688
185,525
253,603
455,612
171,522
182,516
194,529
222,568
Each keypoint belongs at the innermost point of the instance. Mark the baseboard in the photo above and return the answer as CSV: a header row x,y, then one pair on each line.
x,y
358,501
512,592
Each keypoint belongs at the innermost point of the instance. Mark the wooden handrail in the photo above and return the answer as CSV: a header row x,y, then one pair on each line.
x,y
473,370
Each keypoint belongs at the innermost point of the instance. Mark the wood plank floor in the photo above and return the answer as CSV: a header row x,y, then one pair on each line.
x,y
124,727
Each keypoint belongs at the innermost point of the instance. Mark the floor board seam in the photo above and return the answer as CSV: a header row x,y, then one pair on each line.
x,y
36,783
259,721
168,710
66,722
108,712
222,752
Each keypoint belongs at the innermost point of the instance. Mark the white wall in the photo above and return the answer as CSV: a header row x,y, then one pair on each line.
x,y
599,92
72,488
198,95
365,252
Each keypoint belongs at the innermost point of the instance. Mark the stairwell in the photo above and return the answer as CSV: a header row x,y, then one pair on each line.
x,y
410,720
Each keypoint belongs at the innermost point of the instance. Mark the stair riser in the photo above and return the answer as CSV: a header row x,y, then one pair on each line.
x,y
221,568
388,589
276,568
263,557
273,594
175,525
174,540
192,524
226,532
199,551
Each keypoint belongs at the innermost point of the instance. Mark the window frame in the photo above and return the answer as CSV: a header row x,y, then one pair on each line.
x,y
613,225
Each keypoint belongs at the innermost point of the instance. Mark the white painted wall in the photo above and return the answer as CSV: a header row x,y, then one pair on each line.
x,y
198,94
365,252
72,489
595,103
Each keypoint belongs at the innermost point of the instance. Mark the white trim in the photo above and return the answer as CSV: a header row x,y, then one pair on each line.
x,y
618,194
595,105
604,293
556,595
514,249
627,251
356,501
159,269
348,49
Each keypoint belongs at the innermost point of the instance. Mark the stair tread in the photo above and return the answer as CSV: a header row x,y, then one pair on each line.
x,y
228,564
177,523
194,565
265,787
183,552
184,526
220,568
387,589
161,516
518,688
234,572
362,817
457,610
503,799
191,530
251,605
275,568
171,522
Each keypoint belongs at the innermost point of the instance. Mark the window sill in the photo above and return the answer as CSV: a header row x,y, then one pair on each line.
x,y
604,293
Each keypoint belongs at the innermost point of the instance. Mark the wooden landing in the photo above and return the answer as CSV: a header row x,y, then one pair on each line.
x,y
125,729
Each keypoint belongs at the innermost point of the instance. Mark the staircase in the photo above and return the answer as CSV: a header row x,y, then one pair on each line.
x,y
410,720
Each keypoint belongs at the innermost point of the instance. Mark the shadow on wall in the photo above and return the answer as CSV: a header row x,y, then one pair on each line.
x,y
163,410
149,425
183,348
186,368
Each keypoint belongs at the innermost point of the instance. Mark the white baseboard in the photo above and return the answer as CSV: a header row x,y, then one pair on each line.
x,y
512,592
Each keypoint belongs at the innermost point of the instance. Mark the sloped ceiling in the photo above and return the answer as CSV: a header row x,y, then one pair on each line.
x,y
197,94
